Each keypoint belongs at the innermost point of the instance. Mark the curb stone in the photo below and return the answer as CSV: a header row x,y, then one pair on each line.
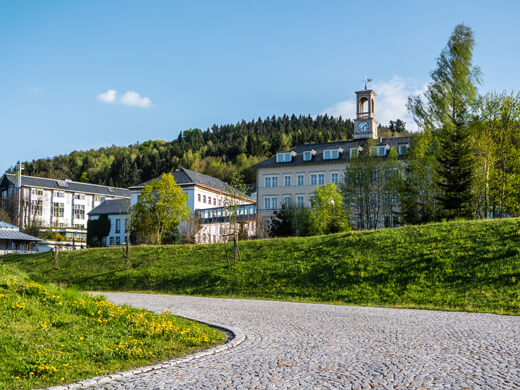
x,y
236,337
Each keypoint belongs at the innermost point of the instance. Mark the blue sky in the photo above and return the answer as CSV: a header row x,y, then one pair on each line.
x,y
76,75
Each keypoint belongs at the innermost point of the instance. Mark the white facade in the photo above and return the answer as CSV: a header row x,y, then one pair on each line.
x,y
65,208
118,229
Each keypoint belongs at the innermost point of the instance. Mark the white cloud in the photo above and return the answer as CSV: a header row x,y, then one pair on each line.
x,y
108,97
129,98
391,100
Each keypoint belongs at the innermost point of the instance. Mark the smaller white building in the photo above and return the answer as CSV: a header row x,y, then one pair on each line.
x,y
118,213
12,240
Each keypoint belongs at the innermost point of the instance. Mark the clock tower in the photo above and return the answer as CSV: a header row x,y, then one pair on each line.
x,y
365,125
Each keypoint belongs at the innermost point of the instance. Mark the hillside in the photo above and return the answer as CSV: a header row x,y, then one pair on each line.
x,y
55,336
215,152
473,265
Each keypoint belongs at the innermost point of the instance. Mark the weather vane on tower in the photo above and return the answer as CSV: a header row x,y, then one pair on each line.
x,y
366,80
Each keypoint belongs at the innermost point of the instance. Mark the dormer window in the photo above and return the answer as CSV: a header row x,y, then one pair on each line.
x,y
379,151
354,152
332,154
403,149
284,157
307,155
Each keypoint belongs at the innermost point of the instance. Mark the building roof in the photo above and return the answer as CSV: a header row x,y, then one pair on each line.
x,y
184,177
112,206
64,185
12,232
297,159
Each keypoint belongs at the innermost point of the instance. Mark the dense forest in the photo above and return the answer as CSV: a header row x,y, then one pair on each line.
x,y
215,152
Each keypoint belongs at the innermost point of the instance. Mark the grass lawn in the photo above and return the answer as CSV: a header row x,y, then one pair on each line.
x,y
470,265
51,336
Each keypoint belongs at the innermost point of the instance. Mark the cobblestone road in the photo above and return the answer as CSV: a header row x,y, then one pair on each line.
x,y
306,346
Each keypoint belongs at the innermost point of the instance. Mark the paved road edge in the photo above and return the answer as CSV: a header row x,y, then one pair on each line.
x,y
236,338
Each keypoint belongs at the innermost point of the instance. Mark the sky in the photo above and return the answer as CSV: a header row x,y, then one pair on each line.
x,y
76,75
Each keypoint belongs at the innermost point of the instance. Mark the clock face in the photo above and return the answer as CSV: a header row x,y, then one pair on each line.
x,y
363,127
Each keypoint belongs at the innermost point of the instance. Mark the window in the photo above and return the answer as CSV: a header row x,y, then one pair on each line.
x,y
97,198
331,154
267,182
126,225
275,181
78,226
36,191
36,208
270,202
311,198
300,180
198,197
58,210
79,196
313,180
287,181
287,200
403,149
307,156
79,211
334,177
300,200
111,240
59,194
354,152
209,200
204,198
214,201
378,151
118,240
118,225
321,179
283,157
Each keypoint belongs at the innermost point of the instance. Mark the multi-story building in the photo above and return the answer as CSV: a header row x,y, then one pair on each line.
x,y
205,193
61,205
293,175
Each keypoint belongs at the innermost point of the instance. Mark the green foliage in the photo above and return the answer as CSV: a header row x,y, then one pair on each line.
x,y
468,265
291,220
329,213
159,210
52,336
216,152
97,229
4,215
447,112
371,187
498,178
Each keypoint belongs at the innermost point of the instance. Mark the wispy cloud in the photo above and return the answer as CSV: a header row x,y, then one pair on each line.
x,y
392,97
108,96
129,98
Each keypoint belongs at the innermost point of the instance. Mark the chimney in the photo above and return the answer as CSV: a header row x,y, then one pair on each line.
x,y
19,169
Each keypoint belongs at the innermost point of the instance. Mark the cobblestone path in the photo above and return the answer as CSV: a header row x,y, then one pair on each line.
x,y
310,346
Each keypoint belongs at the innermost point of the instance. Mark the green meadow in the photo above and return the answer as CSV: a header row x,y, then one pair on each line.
x,y
51,336
469,265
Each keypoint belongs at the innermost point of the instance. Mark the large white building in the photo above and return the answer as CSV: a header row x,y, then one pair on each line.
x,y
293,175
61,205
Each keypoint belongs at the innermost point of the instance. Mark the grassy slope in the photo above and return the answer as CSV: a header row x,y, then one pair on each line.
x,y
460,265
51,336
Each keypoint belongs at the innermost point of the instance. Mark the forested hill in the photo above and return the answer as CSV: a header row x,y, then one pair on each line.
x,y
214,152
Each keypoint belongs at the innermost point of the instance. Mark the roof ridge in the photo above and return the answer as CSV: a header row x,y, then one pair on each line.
x,y
66,180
